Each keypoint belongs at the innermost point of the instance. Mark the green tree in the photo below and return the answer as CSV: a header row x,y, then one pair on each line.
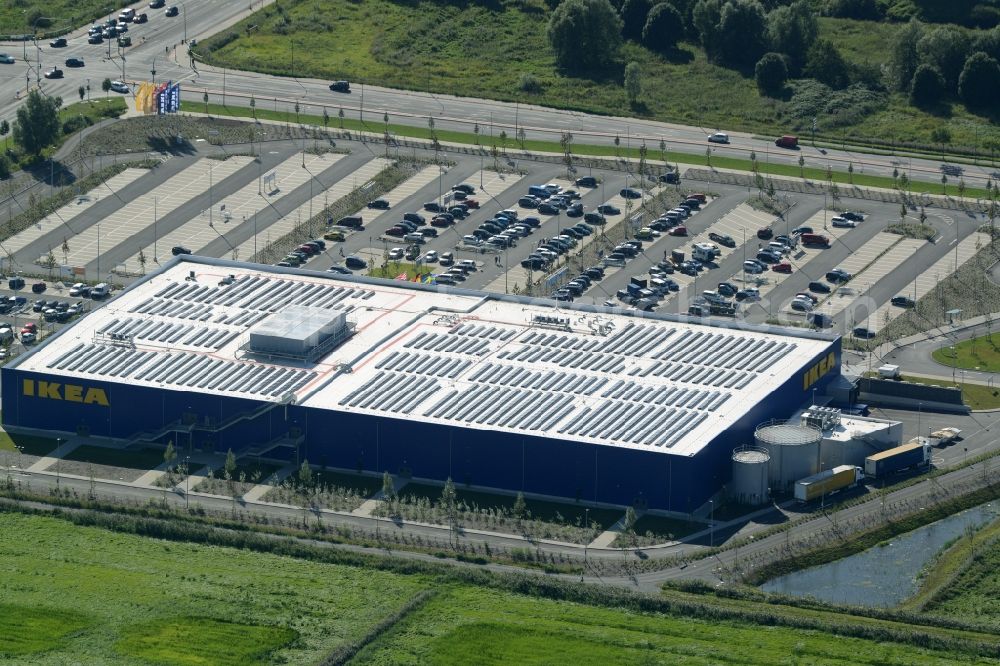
x,y
388,492
585,34
802,166
825,64
928,87
628,526
4,131
170,455
633,82
979,83
988,42
664,27
253,107
449,500
634,15
945,47
305,473
903,56
771,74
229,468
705,20
37,123
106,87
326,118
742,33
790,30
81,91
520,507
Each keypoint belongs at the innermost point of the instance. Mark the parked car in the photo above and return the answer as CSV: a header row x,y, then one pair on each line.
x,y
671,177
630,193
38,287
379,204
902,301
354,262
586,181
96,38
753,267
722,239
120,87
176,250
819,287
607,209
853,216
838,275
782,267
172,11
678,231
6,59
765,233
843,222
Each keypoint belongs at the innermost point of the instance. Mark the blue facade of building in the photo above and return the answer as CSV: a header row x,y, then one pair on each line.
x,y
487,458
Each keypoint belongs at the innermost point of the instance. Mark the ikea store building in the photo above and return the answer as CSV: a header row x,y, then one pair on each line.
x,y
494,391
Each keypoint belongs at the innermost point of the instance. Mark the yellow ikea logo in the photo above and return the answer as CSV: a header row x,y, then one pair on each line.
x,y
67,392
813,374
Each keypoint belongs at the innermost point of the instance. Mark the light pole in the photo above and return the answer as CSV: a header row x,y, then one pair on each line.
x,y
586,525
187,479
711,523
58,458
155,259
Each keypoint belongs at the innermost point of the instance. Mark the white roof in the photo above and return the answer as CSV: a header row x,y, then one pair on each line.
x,y
457,357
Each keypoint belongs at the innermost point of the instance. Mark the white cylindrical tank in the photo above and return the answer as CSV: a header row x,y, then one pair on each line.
x,y
750,482
794,451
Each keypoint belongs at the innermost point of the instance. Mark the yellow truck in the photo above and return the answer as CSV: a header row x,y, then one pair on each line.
x,y
828,481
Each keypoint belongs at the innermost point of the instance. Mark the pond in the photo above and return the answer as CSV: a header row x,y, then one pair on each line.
x,y
886,574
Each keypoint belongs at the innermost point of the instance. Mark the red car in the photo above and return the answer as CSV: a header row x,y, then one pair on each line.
x,y
308,249
30,327
678,231
699,196
440,222
396,231
471,203
782,267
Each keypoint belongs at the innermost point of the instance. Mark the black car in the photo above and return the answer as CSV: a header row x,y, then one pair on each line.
x,y
903,301
586,181
671,177
157,4
58,43
765,234
179,249
607,209
172,11
727,289
630,193
863,333
853,216
464,187
54,73
819,287
74,62
341,86
95,39
722,239
838,275
547,209
594,218
380,204
355,262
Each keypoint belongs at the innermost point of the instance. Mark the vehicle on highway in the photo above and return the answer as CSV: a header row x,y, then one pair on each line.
x,y
6,59
54,73
74,62
722,239
902,301
819,287
96,38
787,141
718,137
124,41
58,43
341,86
843,222
157,4
143,18
172,11
120,87
335,236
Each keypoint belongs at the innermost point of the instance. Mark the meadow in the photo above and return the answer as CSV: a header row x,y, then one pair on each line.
x,y
91,595
965,584
500,50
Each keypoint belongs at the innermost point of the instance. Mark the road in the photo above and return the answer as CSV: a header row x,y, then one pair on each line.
x,y
158,45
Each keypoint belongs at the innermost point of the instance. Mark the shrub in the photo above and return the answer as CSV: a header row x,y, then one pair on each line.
x,y
979,82
928,86
771,74
529,83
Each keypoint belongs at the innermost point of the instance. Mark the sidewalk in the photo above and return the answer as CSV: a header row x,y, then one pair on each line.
x,y
370,504
268,484
58,454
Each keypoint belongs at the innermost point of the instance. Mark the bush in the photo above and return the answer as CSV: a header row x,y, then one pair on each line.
x,y
4,167
664,28
771,74
928,87
529,83
585,34
75,124
979,82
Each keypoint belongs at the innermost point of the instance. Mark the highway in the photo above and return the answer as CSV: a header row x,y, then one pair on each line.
x,y
158,46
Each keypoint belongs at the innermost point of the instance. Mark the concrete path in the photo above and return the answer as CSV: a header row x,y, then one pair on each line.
x,y
47,461
193,480
370,504
606,538
262,488
149,478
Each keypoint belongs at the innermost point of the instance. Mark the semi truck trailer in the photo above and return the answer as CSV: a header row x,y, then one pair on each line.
x,y
915,453
826,482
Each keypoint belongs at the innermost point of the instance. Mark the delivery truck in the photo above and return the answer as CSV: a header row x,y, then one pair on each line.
x,y
826,482
945,436
915,453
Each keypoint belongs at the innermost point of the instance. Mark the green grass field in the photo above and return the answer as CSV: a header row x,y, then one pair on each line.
x,y
982,353
85,595
486,50
65,15
466,626
965,583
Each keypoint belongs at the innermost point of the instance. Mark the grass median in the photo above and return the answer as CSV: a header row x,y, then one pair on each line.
x,y
512,146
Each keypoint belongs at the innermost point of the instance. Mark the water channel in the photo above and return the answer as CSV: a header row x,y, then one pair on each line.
x,y
885,575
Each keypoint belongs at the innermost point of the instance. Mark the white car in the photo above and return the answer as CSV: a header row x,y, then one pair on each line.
x,y
843,222
752,267
431,257
28,338
6,59
120,87
396,253
76,289
718,137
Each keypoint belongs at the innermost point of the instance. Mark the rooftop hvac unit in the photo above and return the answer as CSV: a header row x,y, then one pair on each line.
x,y
821,418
